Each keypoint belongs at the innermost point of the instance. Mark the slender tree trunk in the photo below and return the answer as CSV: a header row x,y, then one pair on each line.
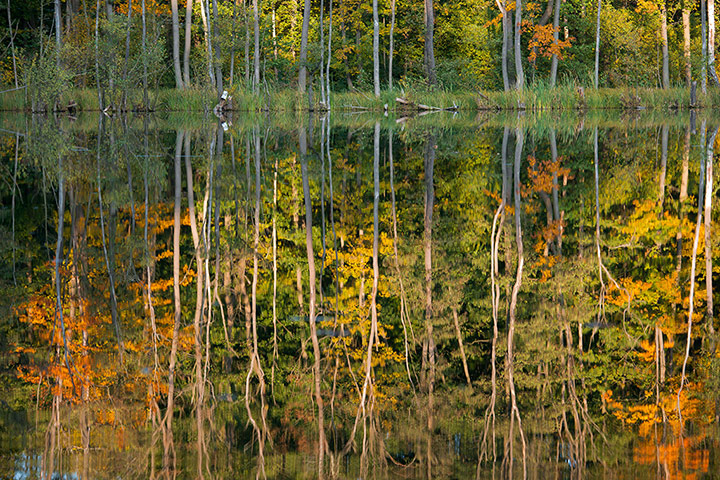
x,y
376,48
302,75
507,39
429,48
127,59
12,44
232,43
556,33
176,43
392,44
58,31
208,42
256,31
664,42
216,42
597,46
711,42
519,75
703,43
146,102
686,42
188,42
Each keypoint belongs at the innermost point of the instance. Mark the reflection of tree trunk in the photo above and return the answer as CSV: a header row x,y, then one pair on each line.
x,y
317,374
429,341
681,204
255,365
663,165
708,230
497,228
693,264
510,363
109,259
458,334
659,339
168,443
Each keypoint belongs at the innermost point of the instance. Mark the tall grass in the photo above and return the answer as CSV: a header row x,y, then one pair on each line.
x,y
538,97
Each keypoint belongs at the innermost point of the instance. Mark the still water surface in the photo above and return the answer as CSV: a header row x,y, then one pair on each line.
x,y
359,297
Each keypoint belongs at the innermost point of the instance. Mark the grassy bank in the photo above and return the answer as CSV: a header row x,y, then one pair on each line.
x,y
537,98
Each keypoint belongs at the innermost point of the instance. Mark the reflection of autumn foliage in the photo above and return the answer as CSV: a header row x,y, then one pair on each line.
x,y
686,457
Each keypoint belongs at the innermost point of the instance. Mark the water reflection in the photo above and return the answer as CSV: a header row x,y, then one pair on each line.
x,y
346,297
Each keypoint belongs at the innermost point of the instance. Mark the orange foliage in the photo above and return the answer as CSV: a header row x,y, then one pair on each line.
x,y
544,43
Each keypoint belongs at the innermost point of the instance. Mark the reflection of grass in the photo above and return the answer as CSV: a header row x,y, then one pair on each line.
x,y
538,97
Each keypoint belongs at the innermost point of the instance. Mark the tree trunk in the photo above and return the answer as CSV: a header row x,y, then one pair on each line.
x,y
144,50
556,33
256,31
711,42
188,42
507,38
429,42
176,43
216,41
208,42
302,75
703,43
686,43
12,44
376,49
392,44
664,41
519,75
597,46
58,31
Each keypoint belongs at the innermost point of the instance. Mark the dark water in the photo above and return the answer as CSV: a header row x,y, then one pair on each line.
x,y
359,297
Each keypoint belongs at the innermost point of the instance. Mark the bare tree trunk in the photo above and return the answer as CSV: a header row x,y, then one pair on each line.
x,y
519,75
188,42
127,60
146,102
376,47
176,43
686,42
216,42
12,44
208,42
703,43
392,44
711,42
58,31
664,42
556,33
256,31
597,46
429,48
302,75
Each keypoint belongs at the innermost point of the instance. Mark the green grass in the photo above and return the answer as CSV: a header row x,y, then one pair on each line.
x,y
536,98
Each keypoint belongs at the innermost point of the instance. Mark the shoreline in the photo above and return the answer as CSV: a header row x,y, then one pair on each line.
x,y
564,98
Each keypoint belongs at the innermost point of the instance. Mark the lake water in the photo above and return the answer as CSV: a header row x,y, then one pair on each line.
x,y
357,296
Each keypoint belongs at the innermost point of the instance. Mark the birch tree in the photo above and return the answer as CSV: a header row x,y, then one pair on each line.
x,y
175,43
429,49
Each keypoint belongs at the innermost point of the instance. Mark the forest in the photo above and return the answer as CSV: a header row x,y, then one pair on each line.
x,y
62,54
341,240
